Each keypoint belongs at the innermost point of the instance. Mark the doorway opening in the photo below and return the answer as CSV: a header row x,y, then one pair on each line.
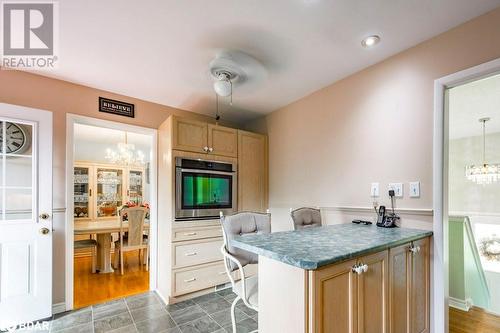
x,y
111,171
473,211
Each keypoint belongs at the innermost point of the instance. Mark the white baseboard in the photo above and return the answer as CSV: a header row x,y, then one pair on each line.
x,y
463,305
58,308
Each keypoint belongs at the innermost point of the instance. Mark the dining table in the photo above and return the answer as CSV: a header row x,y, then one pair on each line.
x,y
103,229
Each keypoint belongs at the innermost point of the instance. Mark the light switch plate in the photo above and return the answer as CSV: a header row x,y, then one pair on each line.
x,y
398,189
414,189
375,191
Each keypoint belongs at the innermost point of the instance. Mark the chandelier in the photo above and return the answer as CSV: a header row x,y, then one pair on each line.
x,y
484,173
125,154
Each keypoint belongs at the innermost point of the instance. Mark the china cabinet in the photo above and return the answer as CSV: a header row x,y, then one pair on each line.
x,y
101,189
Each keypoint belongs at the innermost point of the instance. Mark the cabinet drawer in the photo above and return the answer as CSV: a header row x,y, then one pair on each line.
x,y
187,281
195,253
198,233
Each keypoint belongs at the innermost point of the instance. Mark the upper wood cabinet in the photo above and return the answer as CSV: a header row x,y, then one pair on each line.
x,y
189,135
252,172
200,137
350,301
222,141
409,292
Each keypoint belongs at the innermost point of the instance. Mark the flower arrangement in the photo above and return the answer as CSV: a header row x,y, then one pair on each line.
x,y
130,204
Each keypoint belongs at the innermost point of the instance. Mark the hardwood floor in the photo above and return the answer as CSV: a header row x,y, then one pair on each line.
x,y
97,288
474,321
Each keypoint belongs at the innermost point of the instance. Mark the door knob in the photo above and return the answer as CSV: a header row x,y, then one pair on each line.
x,y
44,231
44,216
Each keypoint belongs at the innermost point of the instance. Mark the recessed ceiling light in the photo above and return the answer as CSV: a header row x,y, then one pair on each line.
x,y
370,41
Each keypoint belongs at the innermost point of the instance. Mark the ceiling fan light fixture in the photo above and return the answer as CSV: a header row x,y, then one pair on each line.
x,y
222,87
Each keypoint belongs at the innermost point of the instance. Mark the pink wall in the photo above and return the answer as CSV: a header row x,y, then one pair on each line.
x,y
374,126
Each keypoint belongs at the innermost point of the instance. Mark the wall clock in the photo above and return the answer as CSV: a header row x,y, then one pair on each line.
x,y
17,138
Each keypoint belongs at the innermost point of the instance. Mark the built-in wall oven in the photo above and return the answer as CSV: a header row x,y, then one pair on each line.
x,y
203,188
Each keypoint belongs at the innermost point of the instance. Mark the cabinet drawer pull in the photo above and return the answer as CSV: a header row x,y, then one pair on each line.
x,y
190,280
190,254
189,233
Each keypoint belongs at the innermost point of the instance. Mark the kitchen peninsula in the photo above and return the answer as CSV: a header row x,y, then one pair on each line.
x,y
342,278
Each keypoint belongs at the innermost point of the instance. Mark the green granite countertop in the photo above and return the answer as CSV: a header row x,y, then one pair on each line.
x,y
313,248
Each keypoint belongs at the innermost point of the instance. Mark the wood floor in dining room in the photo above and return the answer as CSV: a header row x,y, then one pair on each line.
x,y
98,288
475,320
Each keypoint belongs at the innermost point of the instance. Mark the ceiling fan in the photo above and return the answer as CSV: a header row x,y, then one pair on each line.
x,y
230,69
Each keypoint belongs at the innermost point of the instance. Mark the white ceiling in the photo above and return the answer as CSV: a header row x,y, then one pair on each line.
x,y
470,102
91,135
159,50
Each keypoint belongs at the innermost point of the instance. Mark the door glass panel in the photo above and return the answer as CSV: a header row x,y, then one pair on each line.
x,y
18,204
81,192
19,171
16,171
109,191
135,187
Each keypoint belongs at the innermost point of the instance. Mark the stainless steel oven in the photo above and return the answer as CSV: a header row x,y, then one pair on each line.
x,y
204,188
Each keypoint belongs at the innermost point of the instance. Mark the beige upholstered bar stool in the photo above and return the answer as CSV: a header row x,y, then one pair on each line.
x,y
306,217
135,239
241,224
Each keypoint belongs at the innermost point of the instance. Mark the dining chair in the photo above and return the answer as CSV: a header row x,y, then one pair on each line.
x,y
135,239
85,244
306,217
241,224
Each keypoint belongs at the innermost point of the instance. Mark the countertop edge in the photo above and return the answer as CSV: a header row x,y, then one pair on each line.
x,y
309,265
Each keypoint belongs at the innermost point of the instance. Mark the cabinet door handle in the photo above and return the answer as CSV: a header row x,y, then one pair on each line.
x,y
414,249
360,268
190,280
357,269
205,149
190,234
190,254
210,149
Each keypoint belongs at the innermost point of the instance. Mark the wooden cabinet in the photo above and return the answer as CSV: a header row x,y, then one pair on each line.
x,y
200,137
222,141
350,301
101,189
252,172
419,273
372,294
409,292
189,135
335,295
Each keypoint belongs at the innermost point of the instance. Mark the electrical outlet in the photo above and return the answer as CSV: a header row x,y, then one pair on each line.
x,y
398,189
414,189
375,190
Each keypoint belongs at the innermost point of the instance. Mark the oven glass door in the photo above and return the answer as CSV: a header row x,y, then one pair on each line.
x,y
206,190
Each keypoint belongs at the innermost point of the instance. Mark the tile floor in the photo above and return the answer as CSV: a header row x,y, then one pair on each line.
x,y
146,313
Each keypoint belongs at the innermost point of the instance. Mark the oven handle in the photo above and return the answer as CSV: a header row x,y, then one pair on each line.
x,y
228,173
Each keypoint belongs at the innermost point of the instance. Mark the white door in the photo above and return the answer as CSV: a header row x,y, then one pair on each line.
x,y
25,215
